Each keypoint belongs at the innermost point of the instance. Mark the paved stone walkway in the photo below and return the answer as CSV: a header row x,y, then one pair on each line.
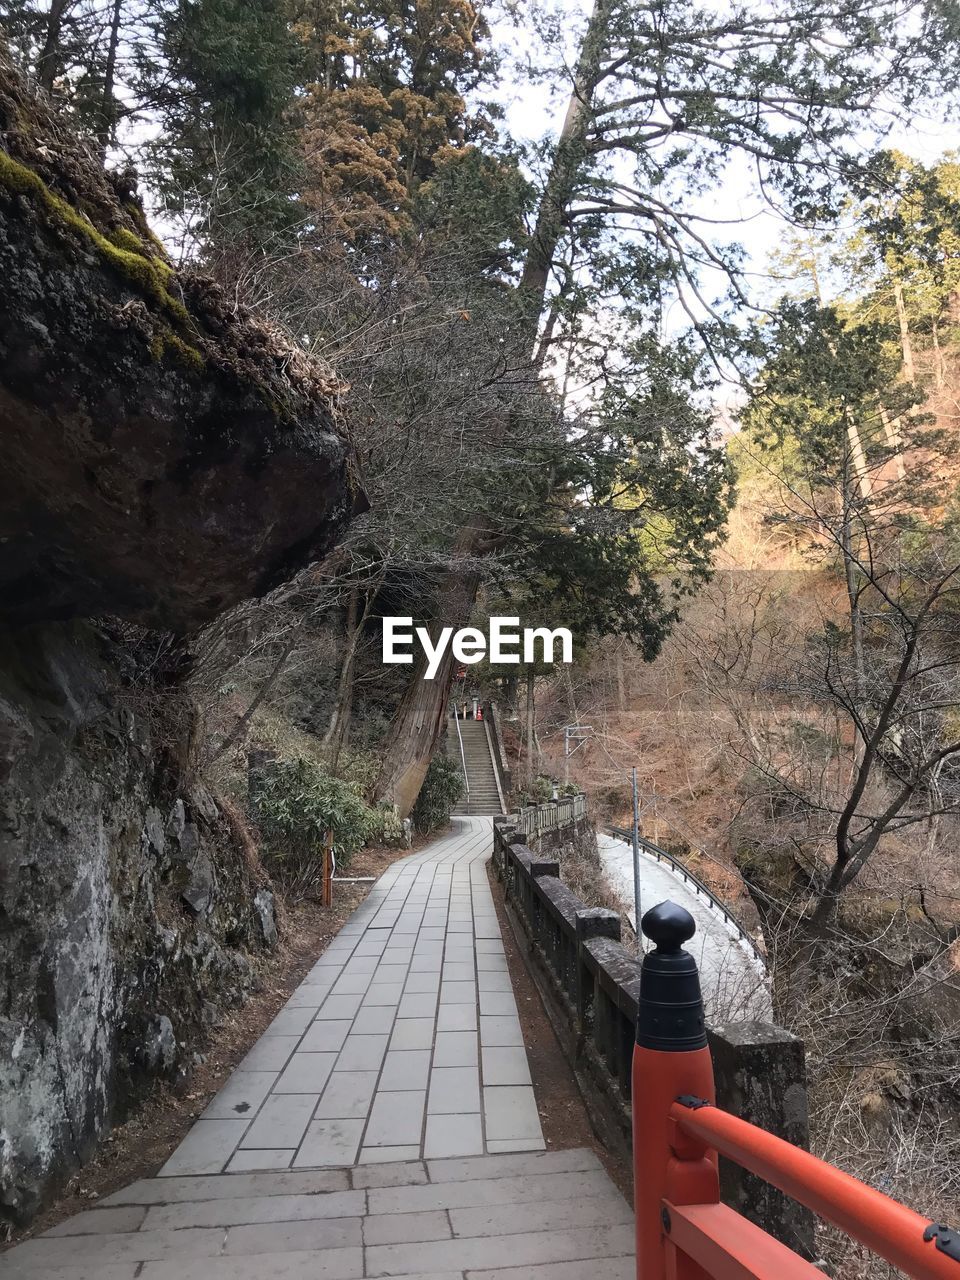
x,y
383,1125
402,1042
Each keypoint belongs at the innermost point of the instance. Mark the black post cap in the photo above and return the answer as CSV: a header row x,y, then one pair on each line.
x,y
669,926
670,1008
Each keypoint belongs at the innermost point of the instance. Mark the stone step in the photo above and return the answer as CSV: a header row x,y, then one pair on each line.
x,y
541,1212
218,1186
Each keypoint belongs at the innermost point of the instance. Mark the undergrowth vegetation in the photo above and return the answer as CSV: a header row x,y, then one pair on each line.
x,y
300,806
442,788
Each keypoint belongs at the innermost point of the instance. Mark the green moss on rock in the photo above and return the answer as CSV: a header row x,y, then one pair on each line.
x,y
165,342
124,252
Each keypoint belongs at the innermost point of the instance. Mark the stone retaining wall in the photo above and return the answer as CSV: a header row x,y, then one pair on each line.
x,y
593,983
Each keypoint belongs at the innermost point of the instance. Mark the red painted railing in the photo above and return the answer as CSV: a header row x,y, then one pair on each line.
x,y
683,1231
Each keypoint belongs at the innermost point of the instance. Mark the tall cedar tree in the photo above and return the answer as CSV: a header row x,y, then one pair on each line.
x,y
224,78
386,98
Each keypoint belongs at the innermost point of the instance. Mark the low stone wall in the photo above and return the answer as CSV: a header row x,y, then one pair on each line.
x,y
593,984
491,715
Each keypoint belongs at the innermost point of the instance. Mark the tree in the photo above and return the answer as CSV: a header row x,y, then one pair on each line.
x,y
223,80
669,96
386,94
904,257
81,53
819,419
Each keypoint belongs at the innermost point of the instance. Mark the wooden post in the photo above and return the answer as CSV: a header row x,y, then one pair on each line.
x,y
326,894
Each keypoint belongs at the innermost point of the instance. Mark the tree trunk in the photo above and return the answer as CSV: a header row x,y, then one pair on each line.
x,y
850,580
336,736
510,693
567,163
938,357
906,345
49,61
621,680
421,715
422,712
858,459
416,728
108,107
894,440
530,728
268,683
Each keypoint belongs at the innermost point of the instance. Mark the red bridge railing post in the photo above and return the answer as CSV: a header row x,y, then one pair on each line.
x,y
670,1059
683,1230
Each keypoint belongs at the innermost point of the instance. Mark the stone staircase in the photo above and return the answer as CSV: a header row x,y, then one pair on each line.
x,y
484,797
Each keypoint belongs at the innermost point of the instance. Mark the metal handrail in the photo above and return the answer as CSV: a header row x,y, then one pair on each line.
x,y
463,757
496,764
495,743
676,865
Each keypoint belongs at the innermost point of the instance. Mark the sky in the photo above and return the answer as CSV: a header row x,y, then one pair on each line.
x,y
535,111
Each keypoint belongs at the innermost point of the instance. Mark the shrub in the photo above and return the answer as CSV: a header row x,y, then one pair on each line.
x,y
390,828
442,788
538,792
298,802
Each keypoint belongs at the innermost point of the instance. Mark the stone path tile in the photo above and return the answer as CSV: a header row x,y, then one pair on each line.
x,y
506,1187
500,1031
282,1120
291,1022
453,1136
362,1052
407,1228
531,1248
269,1054
308,997
413,1033
306,1073
505,1065
241,1095
396,1119
186,1190
500,1145
330,1142
101,1221
207,1147
325,1037
575,1160
387,1155
247,1209
405,1069
454,1090
623,1268
330,1264
243,1161
286,1237
348,1096
510,1112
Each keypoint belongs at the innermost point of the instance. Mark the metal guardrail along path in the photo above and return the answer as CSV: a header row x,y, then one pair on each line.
x,y
677,867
